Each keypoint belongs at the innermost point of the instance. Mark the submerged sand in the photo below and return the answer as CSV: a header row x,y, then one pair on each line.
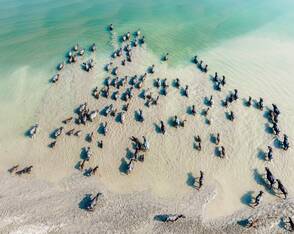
x,y
48,199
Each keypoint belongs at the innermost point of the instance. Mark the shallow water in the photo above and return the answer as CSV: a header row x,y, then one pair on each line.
x,y
251,42
43,29
34,36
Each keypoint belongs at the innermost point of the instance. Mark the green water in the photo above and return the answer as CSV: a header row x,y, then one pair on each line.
x,y
36,33
250,41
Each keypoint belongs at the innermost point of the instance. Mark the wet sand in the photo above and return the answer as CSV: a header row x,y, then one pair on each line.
x,y
31,206
158,185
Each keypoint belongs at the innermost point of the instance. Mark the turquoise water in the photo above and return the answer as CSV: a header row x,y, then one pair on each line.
x,y
34,31
250,41
35,34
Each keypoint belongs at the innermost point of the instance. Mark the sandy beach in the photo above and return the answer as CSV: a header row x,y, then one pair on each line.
x,y
45,208
49,200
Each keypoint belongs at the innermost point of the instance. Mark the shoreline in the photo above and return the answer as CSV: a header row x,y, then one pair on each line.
x,y
159,173
57,210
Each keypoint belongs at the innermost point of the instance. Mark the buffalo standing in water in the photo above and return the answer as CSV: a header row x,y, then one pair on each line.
x,y
258,199
201,179
285,143
26,170
270,153
58,132
282,188
173,218
93,202
165,57
162,127
33,131
269,176
130,166
290,223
